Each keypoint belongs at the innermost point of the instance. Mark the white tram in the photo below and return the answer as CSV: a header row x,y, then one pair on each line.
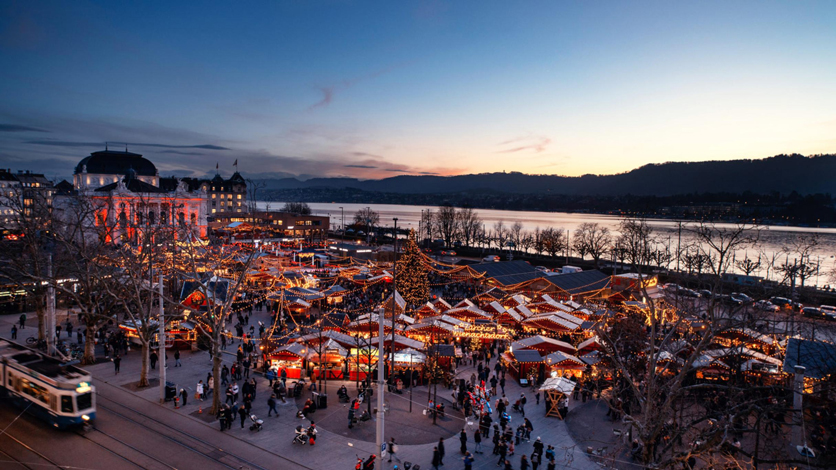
x,y
60,394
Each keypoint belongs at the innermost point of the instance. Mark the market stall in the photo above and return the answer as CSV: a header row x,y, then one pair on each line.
x,y
561,364
289,358
556,392
523,363
328,359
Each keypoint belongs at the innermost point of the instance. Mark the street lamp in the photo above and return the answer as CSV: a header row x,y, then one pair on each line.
x,y
342,212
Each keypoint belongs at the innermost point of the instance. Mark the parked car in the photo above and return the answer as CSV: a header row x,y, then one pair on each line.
x,y
766,306
742,298
781,302
490,258
812,312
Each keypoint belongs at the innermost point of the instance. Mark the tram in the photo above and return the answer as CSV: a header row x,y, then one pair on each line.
x,y
60,394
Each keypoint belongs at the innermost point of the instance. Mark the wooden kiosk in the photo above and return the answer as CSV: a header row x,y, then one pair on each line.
x,y
554,390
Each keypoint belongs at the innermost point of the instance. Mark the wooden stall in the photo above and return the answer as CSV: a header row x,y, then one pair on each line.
x,y
556,392
289,358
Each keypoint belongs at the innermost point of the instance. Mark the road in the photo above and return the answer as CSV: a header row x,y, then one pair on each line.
x,y
129,433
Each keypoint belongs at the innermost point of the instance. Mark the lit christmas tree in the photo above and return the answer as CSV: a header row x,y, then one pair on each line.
x,y
412,274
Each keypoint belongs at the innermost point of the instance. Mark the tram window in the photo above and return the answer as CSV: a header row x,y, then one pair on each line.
x,y
84,401
34,390
66,404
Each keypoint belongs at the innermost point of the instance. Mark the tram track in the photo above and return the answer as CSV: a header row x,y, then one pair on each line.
x,y
20,462
214,455
123,457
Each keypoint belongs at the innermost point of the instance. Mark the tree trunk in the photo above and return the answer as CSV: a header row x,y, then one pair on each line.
x,y
40,311
216,376
143,373
90,346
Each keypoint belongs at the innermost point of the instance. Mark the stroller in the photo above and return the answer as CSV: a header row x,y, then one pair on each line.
x,y
257,423
301,436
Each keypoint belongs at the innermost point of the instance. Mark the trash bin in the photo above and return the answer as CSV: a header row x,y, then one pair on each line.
x,y
320,400
170,391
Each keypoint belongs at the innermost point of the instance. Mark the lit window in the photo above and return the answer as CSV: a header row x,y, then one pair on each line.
x,y
239,196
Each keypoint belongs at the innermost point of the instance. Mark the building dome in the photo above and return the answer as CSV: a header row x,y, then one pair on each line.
x,y
110,162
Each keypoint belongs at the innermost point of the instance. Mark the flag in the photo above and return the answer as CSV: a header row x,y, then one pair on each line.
x,y
216,165
236,163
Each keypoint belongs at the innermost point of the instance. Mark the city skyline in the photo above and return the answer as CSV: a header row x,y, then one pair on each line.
x,y
377,90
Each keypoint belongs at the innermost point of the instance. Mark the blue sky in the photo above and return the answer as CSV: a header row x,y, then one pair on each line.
x,y
376,89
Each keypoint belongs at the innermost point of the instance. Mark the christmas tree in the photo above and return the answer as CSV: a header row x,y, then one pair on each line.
x,y
412,273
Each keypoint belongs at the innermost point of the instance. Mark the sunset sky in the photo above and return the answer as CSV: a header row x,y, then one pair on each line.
x,y
376,89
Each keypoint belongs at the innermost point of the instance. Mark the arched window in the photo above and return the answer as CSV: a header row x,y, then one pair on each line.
x,y
193,218
164,215
151,217
181,218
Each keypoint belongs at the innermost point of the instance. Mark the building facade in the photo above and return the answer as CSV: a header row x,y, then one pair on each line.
x,y
223,195
22,194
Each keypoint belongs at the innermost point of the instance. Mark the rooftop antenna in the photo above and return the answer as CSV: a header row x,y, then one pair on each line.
x,y
105,146
126,148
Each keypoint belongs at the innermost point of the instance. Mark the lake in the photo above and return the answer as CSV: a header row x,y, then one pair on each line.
x,y
771,239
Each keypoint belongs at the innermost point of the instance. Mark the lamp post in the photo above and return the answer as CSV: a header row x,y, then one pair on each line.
x,y
394,303
342,213
368,222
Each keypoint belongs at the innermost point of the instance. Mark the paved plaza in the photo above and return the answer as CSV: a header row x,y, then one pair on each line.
x,y
337,446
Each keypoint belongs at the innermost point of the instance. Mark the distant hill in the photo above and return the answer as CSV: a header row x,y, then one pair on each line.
x,y
782,173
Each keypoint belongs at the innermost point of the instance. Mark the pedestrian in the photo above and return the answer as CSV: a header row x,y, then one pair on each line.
x,y
441,451
508,465
235,390
246,368
538,446
283,376
502,450
57,331
184,397
22,321
468,461
537,397
463,440
524,462
535,460
477,438
271,404
225,375
230,398
230,416
392,449
242,412
222,417
528,428
153,357
14,331
177,358
69,329
117,360
198,390
436,458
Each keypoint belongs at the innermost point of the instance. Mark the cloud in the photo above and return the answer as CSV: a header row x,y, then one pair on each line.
x,y
361,166
397,170
329,91
534,143
17,128
63,143
327,97
364,154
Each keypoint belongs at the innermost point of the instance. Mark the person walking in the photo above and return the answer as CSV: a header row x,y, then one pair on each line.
x,y
502,385
242,412
153,357
463,440
441,451
271,404
198,390
116,361
436,458
22,321
535,460
229,395
468,461
177,358
183,397
502,450
392,449
477,439
524,462
508,465
14,331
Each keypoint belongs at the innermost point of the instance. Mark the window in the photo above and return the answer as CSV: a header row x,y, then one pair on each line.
x,y
34,390
84,401
66,404
239,196
213,196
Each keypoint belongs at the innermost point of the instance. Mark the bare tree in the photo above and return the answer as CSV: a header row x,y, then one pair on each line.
x,y
500,234
719,243
253,187
469,225
300,208
554,241
592,239
446,222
